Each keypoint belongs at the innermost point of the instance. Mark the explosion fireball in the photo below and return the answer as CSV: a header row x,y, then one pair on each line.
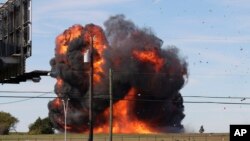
x,y
146,84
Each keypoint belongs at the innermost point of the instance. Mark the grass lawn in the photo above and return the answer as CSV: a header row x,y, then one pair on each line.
x,y
120,137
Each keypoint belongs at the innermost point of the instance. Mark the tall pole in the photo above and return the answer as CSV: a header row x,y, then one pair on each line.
x,y
65,109
110,105
91,92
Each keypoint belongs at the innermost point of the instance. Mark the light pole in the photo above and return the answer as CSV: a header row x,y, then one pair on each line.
x,y
65,109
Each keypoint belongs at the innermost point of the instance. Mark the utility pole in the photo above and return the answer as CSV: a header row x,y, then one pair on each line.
x,y
91,85
110,105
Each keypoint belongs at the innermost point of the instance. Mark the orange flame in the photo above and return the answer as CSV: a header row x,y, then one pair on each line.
x,y
67,36
92,35
57,102
150,56
98,70
123,121
59,83
99,43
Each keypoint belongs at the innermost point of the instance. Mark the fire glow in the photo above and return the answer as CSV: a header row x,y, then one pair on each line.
x,y
146,95
151,57
123,120
66,37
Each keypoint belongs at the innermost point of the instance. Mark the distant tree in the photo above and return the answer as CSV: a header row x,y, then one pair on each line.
x,y
7,123
41,126
201,129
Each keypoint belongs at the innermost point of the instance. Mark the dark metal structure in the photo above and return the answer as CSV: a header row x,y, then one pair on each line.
x,y
15,41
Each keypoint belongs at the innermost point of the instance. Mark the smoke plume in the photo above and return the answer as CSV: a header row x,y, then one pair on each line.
x,y
146,79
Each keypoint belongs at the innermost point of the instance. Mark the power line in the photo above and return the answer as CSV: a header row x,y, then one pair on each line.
x,y
211,102
126,99
39,92
40,96
51,92
11,102
103,96
217,97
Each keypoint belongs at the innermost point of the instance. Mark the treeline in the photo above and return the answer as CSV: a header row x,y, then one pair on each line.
x,y
40,126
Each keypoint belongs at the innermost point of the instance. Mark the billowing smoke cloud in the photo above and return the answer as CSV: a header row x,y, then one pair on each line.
x,y
146,79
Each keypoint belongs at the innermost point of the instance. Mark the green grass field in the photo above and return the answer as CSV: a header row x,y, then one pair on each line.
x,y
120,137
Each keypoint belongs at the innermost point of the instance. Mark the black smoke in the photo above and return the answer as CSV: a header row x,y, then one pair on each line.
x,y
158,101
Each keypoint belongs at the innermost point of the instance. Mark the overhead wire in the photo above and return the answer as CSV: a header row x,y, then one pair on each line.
x,y
17,101
124,99
188,96
39,92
